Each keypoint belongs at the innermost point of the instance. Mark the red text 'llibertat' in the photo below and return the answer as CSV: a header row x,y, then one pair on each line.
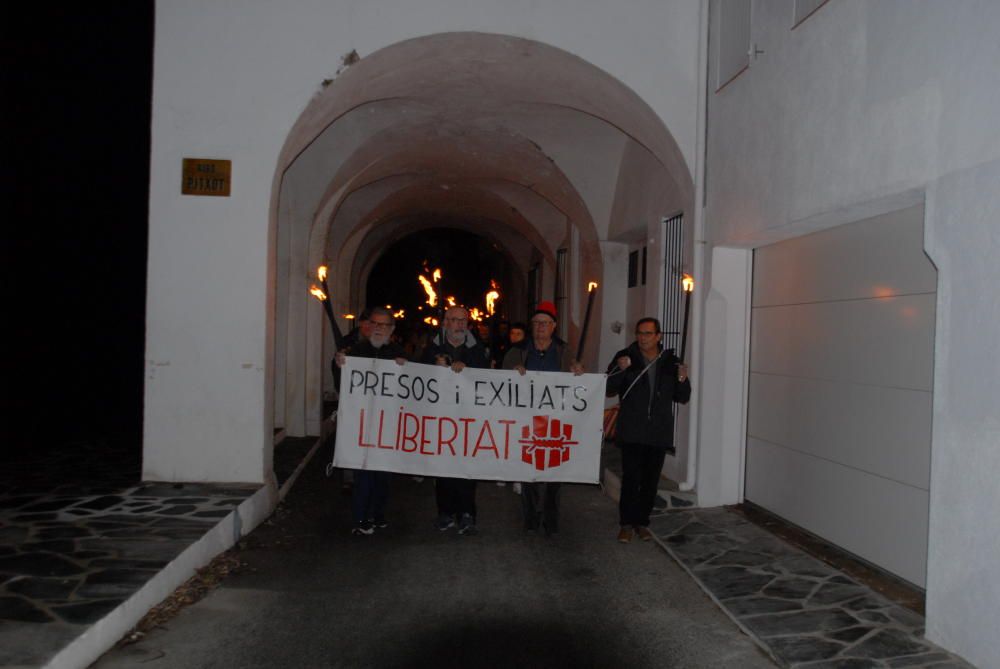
x,y
436,435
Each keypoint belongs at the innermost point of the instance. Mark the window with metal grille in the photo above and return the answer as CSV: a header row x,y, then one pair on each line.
x,y
673,291
561,292
673,272
534,286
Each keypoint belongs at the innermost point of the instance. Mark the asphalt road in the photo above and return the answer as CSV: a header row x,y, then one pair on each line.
x,y
312,595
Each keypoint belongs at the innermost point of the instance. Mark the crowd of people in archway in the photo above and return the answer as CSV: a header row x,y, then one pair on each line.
x,y
646,378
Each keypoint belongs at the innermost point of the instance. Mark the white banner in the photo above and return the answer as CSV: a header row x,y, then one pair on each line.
x,y
477,423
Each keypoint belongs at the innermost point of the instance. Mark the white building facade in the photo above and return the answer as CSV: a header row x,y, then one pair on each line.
x,y
834,164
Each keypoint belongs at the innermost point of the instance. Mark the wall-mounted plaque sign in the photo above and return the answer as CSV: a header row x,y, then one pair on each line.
x,y
206,176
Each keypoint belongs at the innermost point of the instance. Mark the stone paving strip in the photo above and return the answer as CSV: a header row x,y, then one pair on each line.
x,y
802,611
79,535
70,557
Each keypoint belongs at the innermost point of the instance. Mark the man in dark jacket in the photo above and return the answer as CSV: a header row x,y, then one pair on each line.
x,y
371,488
647,380
361,332
542,351
457,348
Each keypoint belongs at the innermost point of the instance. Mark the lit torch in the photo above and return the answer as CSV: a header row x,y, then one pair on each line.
x,y
432,298
428,284
687,282
492,297
591,292
322,296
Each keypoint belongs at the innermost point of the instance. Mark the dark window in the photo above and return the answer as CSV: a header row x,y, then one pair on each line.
x,y
561,293
673,271
633,269
534,286
644,249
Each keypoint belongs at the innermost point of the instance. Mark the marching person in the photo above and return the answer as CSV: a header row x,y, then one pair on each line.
x,y
456,347
371,488
541,351
647,380
361,332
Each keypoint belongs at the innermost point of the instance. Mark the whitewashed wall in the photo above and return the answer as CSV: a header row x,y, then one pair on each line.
x,y
864,108
230,79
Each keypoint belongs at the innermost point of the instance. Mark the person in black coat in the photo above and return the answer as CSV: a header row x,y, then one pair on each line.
x,y
361,332
457,348
371,488
647,381
542,351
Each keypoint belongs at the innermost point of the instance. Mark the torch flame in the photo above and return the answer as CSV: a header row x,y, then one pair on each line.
x,y
349,317
317,293
321,273
491,301
432,298
475,314
592,286
436,275
399,314
430,320
492,297
688,283
451,301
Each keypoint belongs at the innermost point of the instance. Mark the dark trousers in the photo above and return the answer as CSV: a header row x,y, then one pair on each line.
x,y
540,503
370,493
641,467
455,496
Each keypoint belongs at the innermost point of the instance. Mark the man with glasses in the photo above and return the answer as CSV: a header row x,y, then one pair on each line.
x,y
541,351
456,347
647,380
371,488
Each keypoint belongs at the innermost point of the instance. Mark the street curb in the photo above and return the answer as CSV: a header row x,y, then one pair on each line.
x,y
102,635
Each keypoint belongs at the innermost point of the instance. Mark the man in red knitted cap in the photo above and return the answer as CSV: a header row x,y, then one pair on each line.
x,y
541,351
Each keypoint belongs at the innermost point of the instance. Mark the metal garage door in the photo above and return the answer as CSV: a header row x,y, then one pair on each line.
x,y
841,362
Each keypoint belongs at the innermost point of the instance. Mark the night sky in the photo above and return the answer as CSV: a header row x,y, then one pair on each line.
x,y
76,115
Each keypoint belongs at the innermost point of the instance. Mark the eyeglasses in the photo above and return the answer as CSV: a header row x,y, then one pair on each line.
x,y
381,325
538,324
645,333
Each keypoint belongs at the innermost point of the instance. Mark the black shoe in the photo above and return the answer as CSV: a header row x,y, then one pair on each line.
x,y
380,523
363,528
467,524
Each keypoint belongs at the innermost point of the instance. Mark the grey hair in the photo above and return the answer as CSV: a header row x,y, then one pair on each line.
x,y
382,311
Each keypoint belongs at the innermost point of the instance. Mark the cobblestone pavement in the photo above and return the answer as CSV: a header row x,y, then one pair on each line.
x,y
806,613
71,550
79,534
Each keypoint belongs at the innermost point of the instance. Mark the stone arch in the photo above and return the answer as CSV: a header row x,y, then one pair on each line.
x,y
503,135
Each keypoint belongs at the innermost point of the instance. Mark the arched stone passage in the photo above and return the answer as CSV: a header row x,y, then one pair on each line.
x,y
516,141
